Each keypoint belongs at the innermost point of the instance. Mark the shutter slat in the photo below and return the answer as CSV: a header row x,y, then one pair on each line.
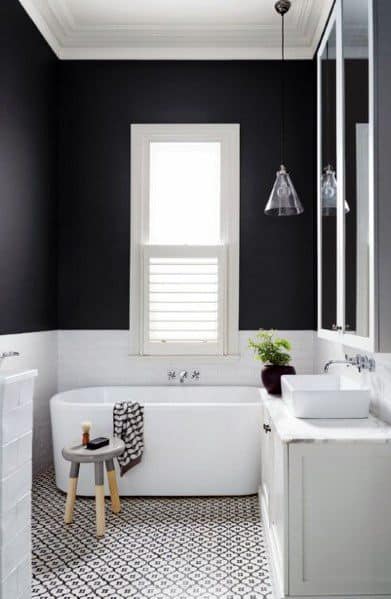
x,y
182,336
182,317
182,296
181,306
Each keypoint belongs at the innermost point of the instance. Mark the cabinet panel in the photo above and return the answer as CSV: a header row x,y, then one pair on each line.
x,y
275,500
267,459
339,525
358,180
278,492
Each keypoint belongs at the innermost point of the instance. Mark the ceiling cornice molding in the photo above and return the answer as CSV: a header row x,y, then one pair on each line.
x,y
245,41
180,53
40,22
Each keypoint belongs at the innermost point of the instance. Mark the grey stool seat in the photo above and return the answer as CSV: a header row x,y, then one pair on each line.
x,y
78,454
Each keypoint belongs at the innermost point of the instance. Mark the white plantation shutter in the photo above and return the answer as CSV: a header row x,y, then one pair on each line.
x,y
184,300
184,253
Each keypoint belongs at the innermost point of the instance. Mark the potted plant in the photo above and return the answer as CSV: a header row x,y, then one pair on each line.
x,y
273,352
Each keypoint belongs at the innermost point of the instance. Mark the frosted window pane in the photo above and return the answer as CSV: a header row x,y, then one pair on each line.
x,y
184,193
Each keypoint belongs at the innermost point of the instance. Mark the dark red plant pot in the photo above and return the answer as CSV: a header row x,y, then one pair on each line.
x,y
271,377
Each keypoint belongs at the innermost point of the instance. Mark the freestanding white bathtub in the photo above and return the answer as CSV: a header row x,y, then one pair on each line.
x,y
198,440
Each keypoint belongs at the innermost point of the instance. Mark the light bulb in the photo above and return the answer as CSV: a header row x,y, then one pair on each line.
x,y
329,192
283,190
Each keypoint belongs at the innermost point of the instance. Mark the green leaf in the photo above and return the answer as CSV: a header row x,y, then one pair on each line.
x,y
270,349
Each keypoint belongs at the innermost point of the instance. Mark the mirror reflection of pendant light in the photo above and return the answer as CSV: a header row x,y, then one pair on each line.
x,y
283,200
329,186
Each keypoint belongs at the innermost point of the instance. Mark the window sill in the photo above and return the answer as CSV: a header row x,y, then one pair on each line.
x,y
178,359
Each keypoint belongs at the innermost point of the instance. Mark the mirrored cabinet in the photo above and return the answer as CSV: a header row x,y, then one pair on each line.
x,y
328,179
353,254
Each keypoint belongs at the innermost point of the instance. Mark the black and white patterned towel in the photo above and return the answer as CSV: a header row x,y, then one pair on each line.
x,y
128,424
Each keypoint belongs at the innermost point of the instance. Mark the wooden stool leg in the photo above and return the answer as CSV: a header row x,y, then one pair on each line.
x,y
111,477
99,500
71,496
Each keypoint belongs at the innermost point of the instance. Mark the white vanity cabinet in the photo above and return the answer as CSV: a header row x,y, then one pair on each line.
x,y
325,500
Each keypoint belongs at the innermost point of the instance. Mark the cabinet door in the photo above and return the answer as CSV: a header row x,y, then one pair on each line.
x,y
327,181
347,303
274,497
339,519
278,503
357,150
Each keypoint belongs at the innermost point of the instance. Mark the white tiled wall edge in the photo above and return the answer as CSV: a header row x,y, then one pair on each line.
x,y
88,358
37,351
16,423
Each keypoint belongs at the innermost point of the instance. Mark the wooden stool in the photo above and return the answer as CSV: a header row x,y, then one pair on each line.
x,y
79,455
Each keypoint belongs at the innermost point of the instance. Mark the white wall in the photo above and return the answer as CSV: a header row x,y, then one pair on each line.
x,y
37,350
378,381
88,358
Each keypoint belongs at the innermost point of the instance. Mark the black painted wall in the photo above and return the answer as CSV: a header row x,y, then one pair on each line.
x,y
99,101
28,143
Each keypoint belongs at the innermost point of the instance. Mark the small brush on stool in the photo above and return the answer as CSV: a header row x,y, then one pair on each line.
x,y
86,428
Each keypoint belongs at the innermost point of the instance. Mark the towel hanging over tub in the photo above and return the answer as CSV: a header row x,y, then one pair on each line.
x,y
128,424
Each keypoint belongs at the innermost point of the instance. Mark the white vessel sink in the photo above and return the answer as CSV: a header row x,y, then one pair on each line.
x,y
324,396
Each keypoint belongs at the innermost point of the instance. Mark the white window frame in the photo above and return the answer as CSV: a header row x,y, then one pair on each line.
x,y
228,135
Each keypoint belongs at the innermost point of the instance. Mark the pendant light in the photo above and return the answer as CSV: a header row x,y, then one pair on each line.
x,y
283,200
329,186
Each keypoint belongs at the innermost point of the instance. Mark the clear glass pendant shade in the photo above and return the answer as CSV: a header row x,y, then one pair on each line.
x,y
329,193
283,200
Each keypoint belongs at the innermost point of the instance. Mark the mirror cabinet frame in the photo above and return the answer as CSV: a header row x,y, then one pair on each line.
x,y
340,332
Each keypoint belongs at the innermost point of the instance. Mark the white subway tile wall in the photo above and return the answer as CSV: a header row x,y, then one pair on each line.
x,y
16,424
94,358
37,351
71,359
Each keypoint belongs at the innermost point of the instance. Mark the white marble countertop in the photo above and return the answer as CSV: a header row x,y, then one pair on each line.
x,y
294,430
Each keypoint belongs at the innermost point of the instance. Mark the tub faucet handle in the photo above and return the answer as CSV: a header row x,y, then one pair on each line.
x,y
182,376
9,354
171,374
195,375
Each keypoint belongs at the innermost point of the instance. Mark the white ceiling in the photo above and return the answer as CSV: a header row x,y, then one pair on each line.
x,y
177,29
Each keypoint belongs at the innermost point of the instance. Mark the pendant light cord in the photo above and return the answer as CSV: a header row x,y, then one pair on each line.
x,y
282,88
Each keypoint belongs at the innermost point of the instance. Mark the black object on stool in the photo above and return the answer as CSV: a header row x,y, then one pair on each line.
x,y
98,443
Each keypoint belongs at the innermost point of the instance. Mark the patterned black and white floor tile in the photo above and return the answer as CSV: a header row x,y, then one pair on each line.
x,y
170,548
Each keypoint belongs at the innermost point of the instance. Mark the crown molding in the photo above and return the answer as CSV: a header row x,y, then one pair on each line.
x,y
249,41
180,53
40,22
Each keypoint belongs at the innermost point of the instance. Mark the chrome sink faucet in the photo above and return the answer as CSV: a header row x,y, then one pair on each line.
x,y
359,361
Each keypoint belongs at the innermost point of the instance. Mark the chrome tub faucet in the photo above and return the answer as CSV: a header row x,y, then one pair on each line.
x,y
183,375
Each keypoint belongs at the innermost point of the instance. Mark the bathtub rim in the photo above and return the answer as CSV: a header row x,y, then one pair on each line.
x,y
58,399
